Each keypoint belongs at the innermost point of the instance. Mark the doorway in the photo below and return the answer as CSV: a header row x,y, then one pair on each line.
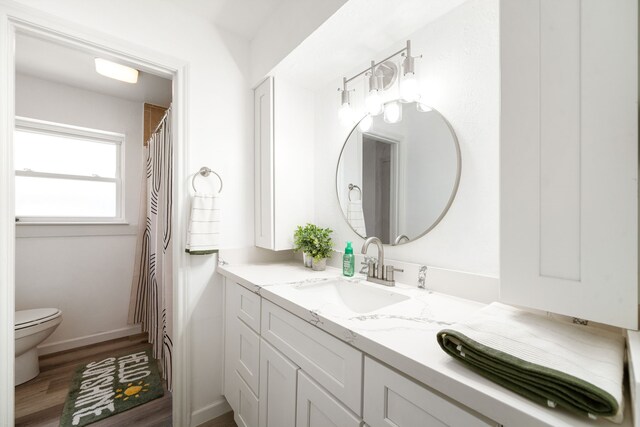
x,y
22,24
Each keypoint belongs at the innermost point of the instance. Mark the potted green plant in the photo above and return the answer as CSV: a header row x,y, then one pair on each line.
x,y
302,239
315,243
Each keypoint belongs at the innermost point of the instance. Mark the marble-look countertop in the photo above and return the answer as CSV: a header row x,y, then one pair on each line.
x,y
402,335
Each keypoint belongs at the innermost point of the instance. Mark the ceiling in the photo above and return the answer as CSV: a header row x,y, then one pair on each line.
x,y
241,17
62,64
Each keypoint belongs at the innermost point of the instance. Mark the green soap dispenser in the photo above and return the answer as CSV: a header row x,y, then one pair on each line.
x,y
348,261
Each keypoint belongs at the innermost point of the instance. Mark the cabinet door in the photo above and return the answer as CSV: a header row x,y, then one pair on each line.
x,y
263,141
246,413
391,400
318,408
569,158
278,380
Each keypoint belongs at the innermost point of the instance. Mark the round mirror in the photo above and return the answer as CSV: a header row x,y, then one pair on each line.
x,y
396,181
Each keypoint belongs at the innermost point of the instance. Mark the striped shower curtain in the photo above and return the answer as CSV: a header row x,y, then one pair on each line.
x,y
152,287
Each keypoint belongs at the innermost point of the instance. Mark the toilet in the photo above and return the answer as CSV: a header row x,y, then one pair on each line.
x,y
31,328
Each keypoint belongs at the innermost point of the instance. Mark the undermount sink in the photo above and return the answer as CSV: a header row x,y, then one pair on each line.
x,y
356,297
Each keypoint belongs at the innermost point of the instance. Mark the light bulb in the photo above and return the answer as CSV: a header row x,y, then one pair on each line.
x,y
365,123
392,112
373,103
345,113
409,88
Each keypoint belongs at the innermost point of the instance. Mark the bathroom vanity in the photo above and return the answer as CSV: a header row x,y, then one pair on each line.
x,y
307,348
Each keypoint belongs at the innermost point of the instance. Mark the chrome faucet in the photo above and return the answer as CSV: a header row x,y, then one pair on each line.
x,y
380,273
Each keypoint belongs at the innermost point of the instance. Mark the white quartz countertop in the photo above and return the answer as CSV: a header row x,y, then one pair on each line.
x,y
403,336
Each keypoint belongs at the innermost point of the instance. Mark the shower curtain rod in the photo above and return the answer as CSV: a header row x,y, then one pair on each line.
x,y
164,117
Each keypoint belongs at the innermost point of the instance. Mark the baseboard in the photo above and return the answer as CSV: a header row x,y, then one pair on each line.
x,y
209,412
57,346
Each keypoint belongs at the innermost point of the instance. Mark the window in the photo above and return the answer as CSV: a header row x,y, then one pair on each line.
x,y
66,173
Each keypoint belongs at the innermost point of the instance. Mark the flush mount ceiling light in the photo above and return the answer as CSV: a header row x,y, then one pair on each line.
x,y
379,77
116,71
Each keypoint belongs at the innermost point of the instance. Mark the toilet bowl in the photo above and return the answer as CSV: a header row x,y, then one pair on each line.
x,y
31,328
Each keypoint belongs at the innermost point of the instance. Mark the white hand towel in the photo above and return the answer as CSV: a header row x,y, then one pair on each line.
x,y
203,236
355,217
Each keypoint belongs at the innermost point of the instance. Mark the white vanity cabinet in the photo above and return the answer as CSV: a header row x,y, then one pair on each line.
x,y
283,138
282,371
569,158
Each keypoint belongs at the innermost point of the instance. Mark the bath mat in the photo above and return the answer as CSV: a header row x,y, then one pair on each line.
x,y
109,386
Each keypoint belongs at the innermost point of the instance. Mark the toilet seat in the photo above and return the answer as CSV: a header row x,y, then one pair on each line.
x,y
27,318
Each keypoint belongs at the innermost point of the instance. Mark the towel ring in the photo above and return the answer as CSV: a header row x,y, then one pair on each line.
x,y
354,187
205,171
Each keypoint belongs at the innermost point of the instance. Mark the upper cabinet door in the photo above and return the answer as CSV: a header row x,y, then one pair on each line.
x,y
569,158
284,136
263,142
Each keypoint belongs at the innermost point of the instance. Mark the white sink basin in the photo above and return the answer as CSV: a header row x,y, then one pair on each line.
x,y
352,296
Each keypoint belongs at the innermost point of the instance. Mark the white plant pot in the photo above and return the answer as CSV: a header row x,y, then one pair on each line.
x,y
320,265
308,260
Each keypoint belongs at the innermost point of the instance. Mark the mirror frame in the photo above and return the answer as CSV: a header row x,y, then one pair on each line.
x,y
454,190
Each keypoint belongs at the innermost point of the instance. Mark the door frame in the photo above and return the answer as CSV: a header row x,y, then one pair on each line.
x,y
16,19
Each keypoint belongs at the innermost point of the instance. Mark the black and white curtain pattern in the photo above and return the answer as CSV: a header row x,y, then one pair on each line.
x,y
152,287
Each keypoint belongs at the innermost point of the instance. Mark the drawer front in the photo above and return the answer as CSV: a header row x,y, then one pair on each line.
x,y
332,363
248,356
245,305
318,408
278,381
246,413
391,400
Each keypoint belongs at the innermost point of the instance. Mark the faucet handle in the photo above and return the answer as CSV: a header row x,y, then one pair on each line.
x,y
388,272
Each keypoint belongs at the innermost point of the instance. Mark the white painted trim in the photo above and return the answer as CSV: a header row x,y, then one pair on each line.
x,y
15,17
64,345
209,412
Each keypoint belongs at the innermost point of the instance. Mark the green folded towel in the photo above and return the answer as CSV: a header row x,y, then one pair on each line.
x,y
546,361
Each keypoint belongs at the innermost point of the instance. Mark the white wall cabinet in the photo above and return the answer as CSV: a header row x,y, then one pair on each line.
x,y
283,136
569,158
278,384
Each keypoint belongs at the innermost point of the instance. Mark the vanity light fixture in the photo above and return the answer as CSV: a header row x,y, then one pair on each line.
x,y
345,112
379,77
373,101
116,71
408,81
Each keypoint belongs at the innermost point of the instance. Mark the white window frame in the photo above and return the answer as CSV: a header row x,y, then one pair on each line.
x,y
68,131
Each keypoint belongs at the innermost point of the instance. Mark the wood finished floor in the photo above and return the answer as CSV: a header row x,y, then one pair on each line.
x,y
39,402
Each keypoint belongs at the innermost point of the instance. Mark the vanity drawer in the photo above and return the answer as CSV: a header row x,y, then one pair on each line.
x,y
245,305
248,356
332,363
392,400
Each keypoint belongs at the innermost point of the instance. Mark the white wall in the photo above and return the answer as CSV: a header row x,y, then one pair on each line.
x,y
68,267
287,26
459,74
219,107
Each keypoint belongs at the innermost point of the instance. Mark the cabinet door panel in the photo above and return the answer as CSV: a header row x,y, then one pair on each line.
x,y
569,158
392,400
332,363
278,380
248,361
318,408
263,142
246,414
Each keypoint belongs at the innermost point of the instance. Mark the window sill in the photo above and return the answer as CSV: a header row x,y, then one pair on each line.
x,y
69,229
